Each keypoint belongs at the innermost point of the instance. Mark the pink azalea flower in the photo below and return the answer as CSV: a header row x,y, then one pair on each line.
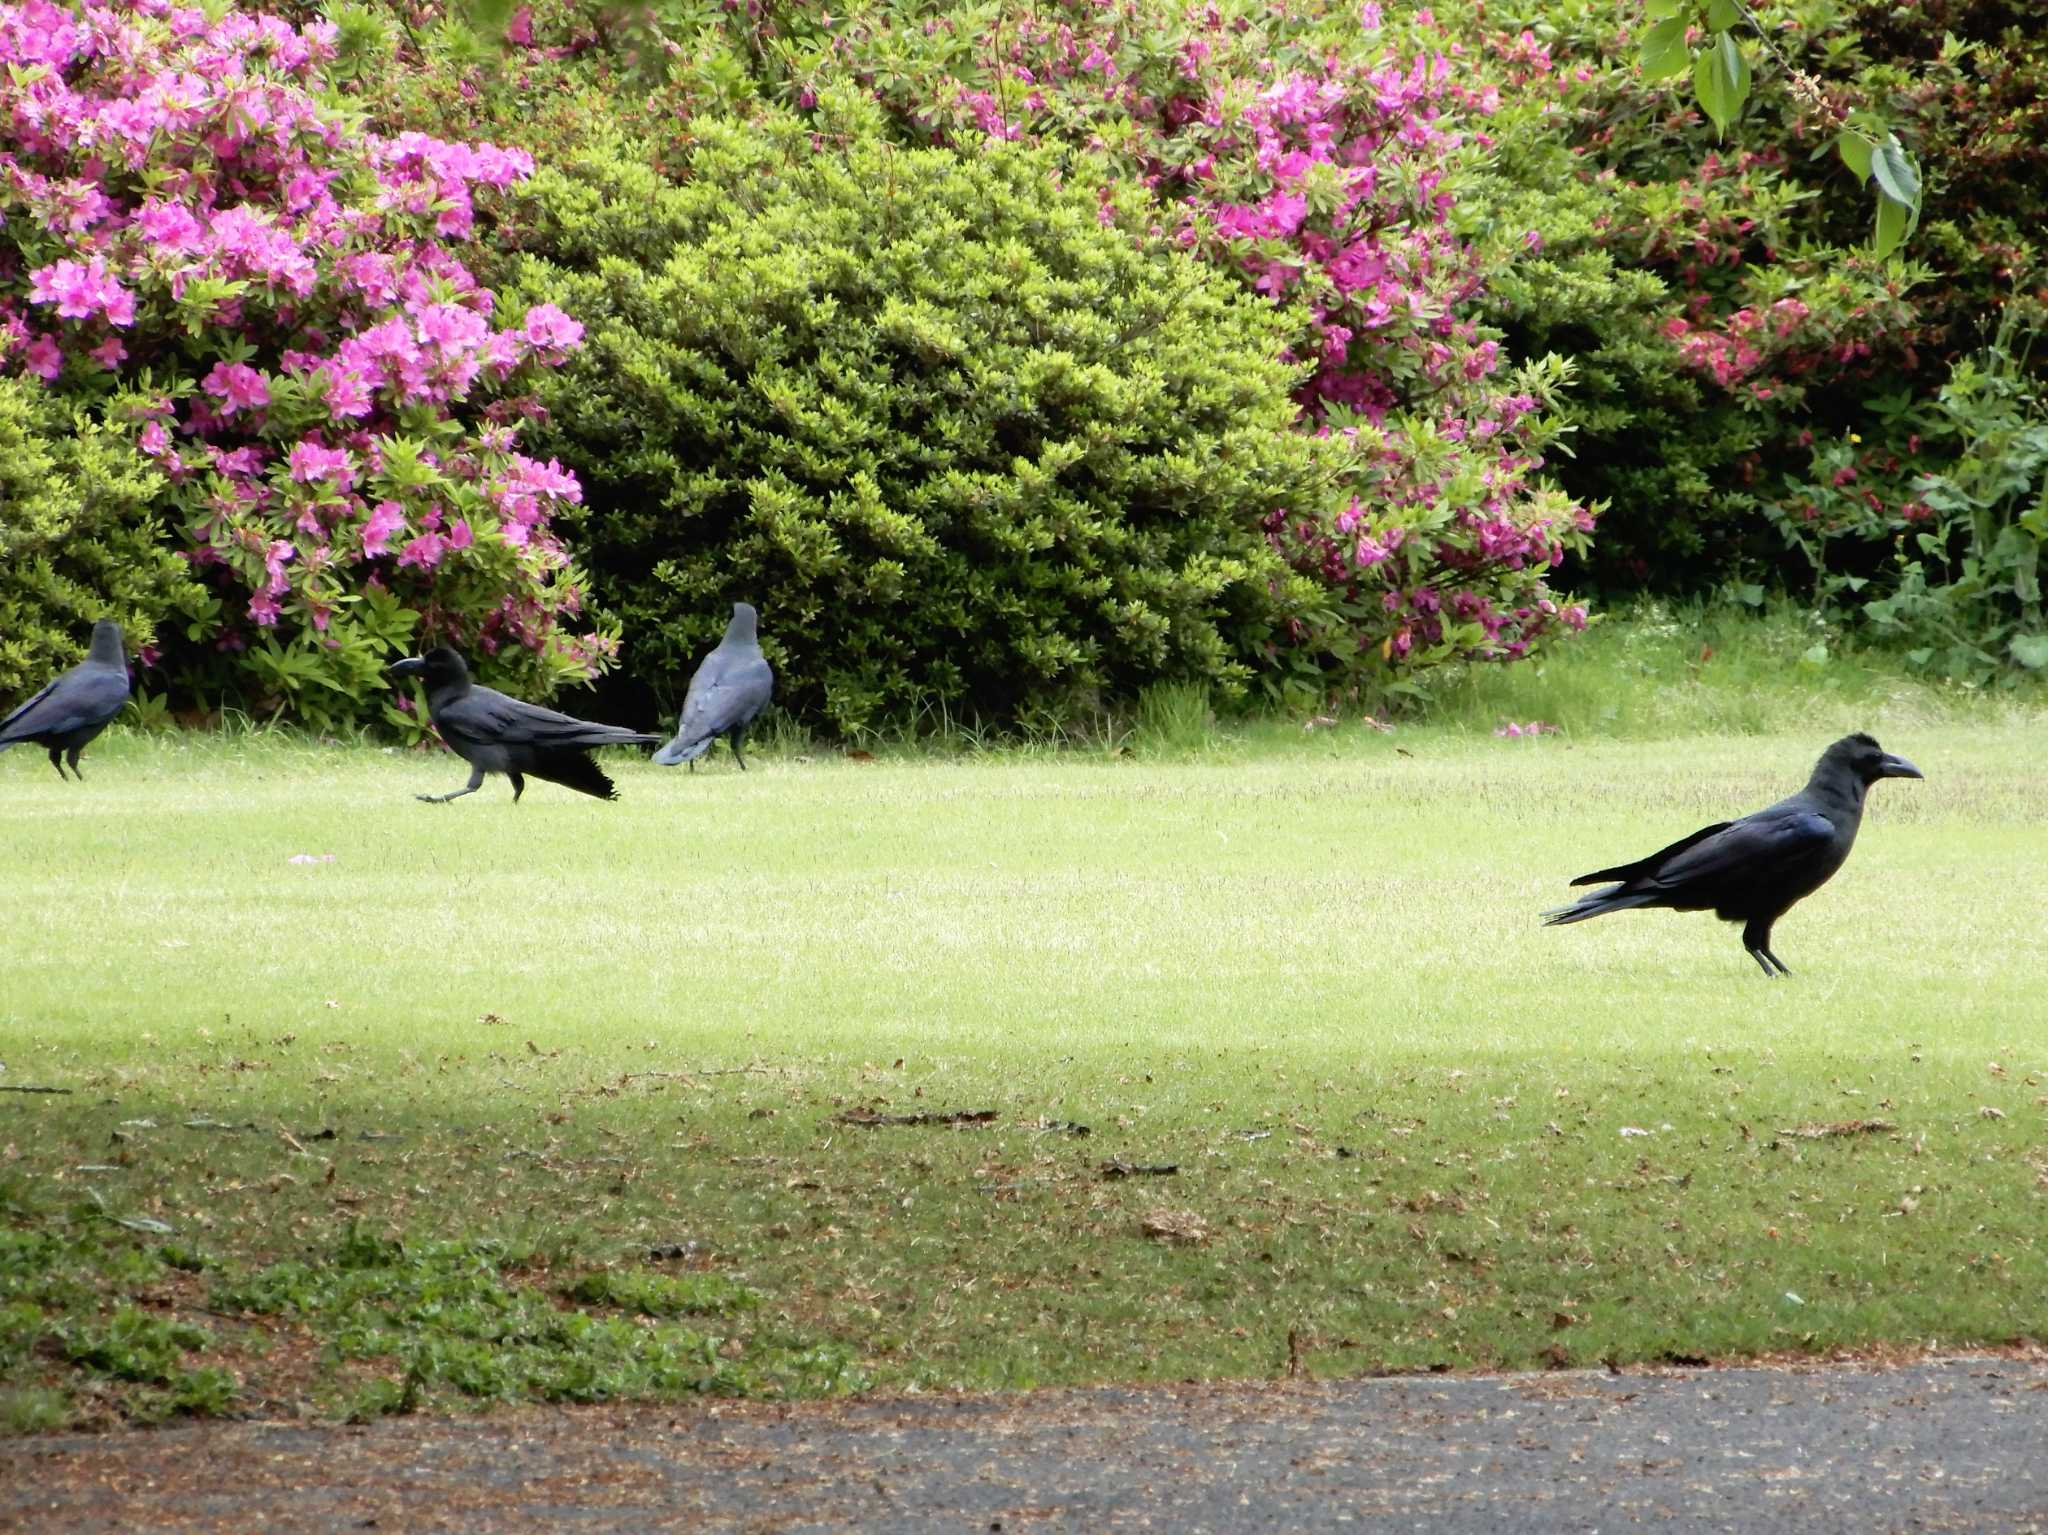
x,y
549,329
312,461
42,358
237,386
82,289
275,558
168,228
424,552
386,518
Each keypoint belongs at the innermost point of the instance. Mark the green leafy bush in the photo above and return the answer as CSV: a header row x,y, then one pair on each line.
x,y
78,541
969,445
1935,529
1737,343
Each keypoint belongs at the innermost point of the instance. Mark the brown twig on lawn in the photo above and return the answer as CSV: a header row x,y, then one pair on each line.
x,y
956,1117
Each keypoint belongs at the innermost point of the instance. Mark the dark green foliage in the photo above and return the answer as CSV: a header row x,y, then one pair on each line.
x,y
1757,396
967,445
77,538
65,1287
663,1294
451,1316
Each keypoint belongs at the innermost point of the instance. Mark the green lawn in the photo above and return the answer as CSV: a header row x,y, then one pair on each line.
x,y
568,1044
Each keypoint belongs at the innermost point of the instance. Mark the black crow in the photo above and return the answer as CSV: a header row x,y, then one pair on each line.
x,y
731,687
77,706
1752,870
496,734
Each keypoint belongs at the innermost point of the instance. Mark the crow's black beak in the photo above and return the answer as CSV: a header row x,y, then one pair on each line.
x,y
1897,767
412,666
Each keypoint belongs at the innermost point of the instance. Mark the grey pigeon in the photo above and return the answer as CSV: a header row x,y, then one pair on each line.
x,y
1752,870
732,686
77,706
497,734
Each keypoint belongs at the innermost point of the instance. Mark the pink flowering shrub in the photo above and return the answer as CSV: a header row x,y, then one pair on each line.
x,y
1341,209
201,246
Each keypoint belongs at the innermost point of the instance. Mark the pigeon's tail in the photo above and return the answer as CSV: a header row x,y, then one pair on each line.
x,y
1597,904
681,749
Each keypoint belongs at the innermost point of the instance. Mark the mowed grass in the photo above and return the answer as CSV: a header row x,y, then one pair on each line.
x,y
1408,1126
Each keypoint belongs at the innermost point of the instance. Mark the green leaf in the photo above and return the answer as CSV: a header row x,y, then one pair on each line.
x,y
1750,594
1893,221
1663,10
1896,174
1664,52
1723,14
1855,151
2030,650
1720,78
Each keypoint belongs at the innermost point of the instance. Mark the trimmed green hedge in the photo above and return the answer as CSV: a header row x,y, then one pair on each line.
x,y
77,539
968,444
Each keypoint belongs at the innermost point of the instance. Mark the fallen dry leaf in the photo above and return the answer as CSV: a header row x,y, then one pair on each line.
x,y
1180,1227
1840,1127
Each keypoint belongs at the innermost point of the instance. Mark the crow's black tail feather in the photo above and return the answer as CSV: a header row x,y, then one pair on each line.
x,y
574,770
1597,904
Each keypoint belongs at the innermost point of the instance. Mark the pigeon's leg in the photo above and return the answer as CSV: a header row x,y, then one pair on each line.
x,y
736,738
57,759
72,758
518,784
693,764
476,782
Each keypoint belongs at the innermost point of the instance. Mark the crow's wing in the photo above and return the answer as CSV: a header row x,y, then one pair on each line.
x,y
20,717
728,690
1759,849
486,716
82,698
1642,866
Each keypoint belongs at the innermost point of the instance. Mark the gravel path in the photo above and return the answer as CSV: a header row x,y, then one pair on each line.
x,y
1959,1444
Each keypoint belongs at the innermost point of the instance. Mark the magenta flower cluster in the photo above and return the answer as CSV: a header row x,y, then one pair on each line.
x,y
1344,209
276,297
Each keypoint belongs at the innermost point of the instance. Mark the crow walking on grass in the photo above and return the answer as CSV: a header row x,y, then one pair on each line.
x,y
497,734
77,706
730,688
1752,870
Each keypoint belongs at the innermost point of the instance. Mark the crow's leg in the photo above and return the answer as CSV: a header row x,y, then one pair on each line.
x,y
1756,937
57,759
476,782
72,758
518,784
736,737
